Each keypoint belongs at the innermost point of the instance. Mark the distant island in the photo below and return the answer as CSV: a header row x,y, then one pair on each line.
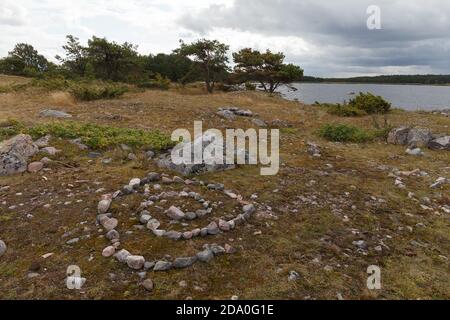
x,y
388,79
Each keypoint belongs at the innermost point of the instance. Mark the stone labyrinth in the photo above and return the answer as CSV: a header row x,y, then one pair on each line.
x,y
151,189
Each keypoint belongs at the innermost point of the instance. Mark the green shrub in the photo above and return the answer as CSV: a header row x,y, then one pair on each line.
x,y
370,103
101,137
343,110
51,83
94,91
250,86
344,133
160,82
10,128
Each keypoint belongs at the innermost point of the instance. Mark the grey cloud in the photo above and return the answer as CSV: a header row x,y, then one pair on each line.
x,y
414,33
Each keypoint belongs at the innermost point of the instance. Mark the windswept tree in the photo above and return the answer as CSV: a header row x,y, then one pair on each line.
x,y
266,68
211,58
75,60
25,60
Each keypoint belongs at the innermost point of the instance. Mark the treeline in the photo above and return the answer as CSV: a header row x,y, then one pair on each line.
x,y
389,79
202,60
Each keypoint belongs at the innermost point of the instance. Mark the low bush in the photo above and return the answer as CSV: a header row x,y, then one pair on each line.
x,y
370,103
343,110
85,91
10,128
250,86
101,137
345,133
160,82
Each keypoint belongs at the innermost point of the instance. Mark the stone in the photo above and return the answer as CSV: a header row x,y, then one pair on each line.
x,y
162,266
49,150
361,244
313,149
159,233
122,255
3,248
149,154
414,152
127,190
132,157
177,179
79,143
440,182
148,285
217,250
135,182
175,213
213,228
207,165
145,218
109,251
399,136
227,114
188,235
442,143
173,235
46,160
135,262
293,276
153,224
196,232
224,225
14,154
112,235
110,224
43,141
149,265
36,166
73,241
153,177
259,122
418,137
249,209
181,263
103,206
191,216
229,249
205,255
50,113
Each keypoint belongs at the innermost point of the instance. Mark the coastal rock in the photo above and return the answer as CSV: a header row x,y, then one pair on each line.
x,y
110,224
213,228
227,114
419,137
399,136
49,150
442,143
2,248
205,256
162,266
181,263
135,262
153,224
175,213
50,113
122,255
14,154
103,206
43,142
108,251
35,167
112,235
148,285
173,235
207,165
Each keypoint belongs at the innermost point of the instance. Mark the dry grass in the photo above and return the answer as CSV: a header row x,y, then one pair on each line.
x,y
305,238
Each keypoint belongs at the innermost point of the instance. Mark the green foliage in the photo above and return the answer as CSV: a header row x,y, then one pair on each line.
x,y
370,103
249,86
211,58
344,133
51,83
267,68
10,128
342,110
101,137
85,91
160,82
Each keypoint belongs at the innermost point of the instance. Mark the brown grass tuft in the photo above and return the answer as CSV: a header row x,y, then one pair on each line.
x,y
62,99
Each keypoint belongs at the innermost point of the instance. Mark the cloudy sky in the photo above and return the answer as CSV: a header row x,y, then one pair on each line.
x,y
325,37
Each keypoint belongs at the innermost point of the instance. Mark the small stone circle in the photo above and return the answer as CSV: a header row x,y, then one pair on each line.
x,y
146,187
